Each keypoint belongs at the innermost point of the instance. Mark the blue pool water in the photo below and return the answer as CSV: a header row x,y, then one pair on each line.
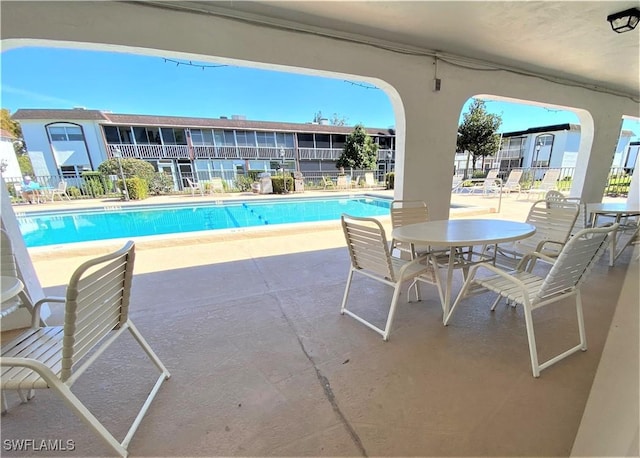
x,y
60,227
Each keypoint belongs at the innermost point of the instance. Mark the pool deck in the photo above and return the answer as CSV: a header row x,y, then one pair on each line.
x,y
263,364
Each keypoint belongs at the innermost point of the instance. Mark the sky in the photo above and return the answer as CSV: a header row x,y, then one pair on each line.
x,y
59,78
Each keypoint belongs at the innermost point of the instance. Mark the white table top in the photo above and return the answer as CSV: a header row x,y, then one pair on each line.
x,y
463,232
614,207
11,287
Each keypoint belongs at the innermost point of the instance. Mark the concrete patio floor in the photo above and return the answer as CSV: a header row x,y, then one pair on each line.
x,y
263,364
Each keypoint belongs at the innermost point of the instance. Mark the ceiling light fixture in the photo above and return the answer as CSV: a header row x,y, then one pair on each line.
x,y
624,21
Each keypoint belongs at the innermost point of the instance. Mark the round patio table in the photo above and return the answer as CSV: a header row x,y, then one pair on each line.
x,y
460,233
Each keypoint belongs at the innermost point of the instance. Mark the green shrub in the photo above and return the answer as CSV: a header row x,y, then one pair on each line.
x,y
94,184
243,182
278,184
137,187
160,182
74,192
390,180
130,168
253,174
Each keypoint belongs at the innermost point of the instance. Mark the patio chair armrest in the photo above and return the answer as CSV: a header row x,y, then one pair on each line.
x,y
35,318
528,262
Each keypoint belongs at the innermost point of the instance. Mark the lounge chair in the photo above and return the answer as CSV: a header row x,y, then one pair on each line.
x,y
548,183
216,186
194,187
513,181
328,183
492,184
369,180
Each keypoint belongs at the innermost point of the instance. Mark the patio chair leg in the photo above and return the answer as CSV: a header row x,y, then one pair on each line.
x,y
346,292
533,352
392,312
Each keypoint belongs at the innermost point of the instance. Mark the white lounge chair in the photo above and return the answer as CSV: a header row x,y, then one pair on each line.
x,y
369,180
492,184
60,191
548,183
328,183
216,186
370,256
532,291
194,186
96,314
513,181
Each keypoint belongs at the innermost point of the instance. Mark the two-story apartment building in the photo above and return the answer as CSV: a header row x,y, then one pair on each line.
x,y
66,142
554,146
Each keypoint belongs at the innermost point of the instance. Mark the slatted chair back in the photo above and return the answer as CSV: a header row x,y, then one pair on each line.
x,y
513,180
553,225
574,263
367,244
97,302
403,213
8,263
550,180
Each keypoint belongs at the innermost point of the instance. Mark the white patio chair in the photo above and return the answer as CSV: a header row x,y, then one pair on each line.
x,y
194,187
217,186
404,212
328,183
553,227
549,182
370,256
513,181
96,314
492,184
563,280
369,180
60,191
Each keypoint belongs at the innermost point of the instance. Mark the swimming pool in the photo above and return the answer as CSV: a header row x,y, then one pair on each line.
x,y
62,227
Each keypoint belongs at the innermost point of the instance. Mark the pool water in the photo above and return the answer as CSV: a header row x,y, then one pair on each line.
x,y
60,227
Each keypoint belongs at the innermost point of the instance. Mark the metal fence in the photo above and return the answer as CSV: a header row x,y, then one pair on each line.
x,y
86,187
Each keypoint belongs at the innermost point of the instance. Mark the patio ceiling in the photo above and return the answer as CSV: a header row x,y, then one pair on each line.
x,y
560,39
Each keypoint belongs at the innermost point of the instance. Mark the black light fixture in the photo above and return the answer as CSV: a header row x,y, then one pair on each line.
x,y
624,21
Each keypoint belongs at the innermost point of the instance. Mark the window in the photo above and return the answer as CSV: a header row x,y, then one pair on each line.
x,y
140,134
196,136
65,133
246,138
126,136
305,140
322,141
284,140
111,134
266,139
181,136
224,138
337,141
168,138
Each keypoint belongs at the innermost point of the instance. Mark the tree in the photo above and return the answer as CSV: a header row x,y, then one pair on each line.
x,y
130,168
360,152
336,119
13,127
477,133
